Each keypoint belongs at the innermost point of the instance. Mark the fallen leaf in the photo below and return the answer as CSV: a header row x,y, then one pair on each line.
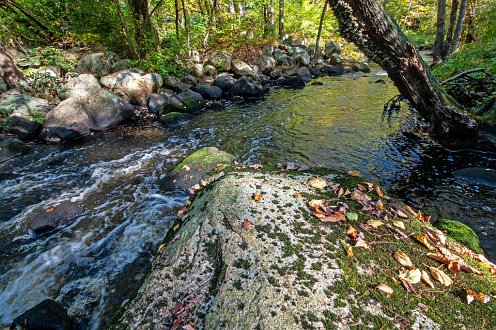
x,y
181,213
200,168
403,259
480,297
440,276
256,166
351,231
397,233
408,286
435,236
370,186
410,210
385,288
247,224
413,276
401,214
378,191
176,227
399,224
347,248
161,248
188,326
50,209
317,183
194,189
335,217
422,239
340,192
454,266
257,197
360,242
427,279
352,216
298,195
375,223
186,167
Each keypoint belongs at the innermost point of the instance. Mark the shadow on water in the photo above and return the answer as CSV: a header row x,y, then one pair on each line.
x,y
95,261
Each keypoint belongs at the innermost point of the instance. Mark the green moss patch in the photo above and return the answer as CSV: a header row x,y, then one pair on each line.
x,y
461,233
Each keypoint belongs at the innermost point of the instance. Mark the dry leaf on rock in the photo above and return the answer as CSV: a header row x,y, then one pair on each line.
x,y
427,279
413,276
335,217
247,224
480,297
399,224
440,276
422,239
378,191
257,197
385,288
403,259
435,236
347,248
375,223
317,183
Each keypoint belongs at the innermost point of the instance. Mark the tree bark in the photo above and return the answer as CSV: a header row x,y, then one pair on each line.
x,y
459,24
145,35
8,70
451,27
321,23
26,13
438,50
366,23
186,22
281,18
176,20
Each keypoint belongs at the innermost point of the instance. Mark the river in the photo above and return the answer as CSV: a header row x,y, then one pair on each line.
x,y
94,263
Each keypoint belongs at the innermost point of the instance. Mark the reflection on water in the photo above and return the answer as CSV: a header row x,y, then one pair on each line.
x,y
98,260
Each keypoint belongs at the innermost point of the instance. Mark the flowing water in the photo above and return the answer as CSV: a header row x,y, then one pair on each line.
x,y
94,263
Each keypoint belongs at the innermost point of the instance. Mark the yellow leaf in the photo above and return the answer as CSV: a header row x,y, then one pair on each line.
x,y
399,224
378,191
385,288
50,209
480,297
317,183
403,259
440,276
375,223
413,276
347,248
422,239
257,197
351,231
186,167
427,279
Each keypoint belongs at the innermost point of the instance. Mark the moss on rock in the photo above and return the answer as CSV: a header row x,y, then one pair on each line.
x,y
461,233
172,119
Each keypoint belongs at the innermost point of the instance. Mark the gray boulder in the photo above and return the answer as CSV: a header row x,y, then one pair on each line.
x,y
276,74
191,101
157,102
66,121
106,109
335,59
246,86
99,64
10,147
173,119
294,80
58,215
331,48
302,57
266,63
209,91
134,87
25,114
175,84
240,68
224,81
210,70
267,50
282,57
123,64
197,70
221,62
80,87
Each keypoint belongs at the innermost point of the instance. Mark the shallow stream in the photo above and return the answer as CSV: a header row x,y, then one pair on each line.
x,y
94,263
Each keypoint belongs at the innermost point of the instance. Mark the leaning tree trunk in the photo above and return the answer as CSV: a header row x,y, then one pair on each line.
x,y
459,24
451,28
366,23
8,70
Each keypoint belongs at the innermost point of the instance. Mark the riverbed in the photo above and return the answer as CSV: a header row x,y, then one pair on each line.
x,y
94,263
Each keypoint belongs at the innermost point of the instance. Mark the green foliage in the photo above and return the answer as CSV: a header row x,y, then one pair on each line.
x,y
51,56
170,60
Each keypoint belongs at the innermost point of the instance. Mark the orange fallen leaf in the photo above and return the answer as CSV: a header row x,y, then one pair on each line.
x,y
410,210
298,195
50,209
480,297
257,197
247,224
378,191
335,217
427,279
422,239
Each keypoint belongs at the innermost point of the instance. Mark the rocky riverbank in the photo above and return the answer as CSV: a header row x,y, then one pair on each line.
x,y
105,91
292,250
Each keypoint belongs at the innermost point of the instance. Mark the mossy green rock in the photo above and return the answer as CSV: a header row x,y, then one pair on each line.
x,y
461,233
240,262
172,119
194,167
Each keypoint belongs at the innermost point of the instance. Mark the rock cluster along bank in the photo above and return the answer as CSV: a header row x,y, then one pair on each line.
x,y
105,91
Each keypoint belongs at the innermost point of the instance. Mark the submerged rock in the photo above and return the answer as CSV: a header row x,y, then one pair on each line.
x,y
173,119
47,315
250,254
61,214
10,147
